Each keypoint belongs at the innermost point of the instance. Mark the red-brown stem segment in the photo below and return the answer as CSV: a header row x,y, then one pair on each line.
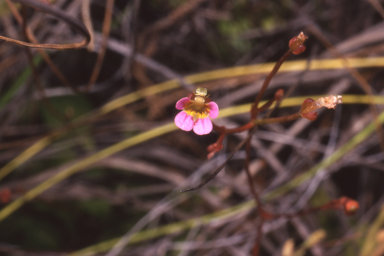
x,y
349,206
278,95
278,119
249,125
267,80
250,180
256,247
217,146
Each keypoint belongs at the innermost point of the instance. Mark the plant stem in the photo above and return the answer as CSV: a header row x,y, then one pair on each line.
x,y
267,80
278,119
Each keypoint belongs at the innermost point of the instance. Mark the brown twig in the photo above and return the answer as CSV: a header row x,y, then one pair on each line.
x,y
75,24
103,44
39,87
86,15
31,37
267,80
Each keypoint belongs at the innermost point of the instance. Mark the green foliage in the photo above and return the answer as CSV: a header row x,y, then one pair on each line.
x,y
175,3
97,208
4,10
269,23
320,197
232,29
69,107
17,84
33,232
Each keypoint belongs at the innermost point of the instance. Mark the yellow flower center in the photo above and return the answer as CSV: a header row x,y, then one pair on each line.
x,y
197,108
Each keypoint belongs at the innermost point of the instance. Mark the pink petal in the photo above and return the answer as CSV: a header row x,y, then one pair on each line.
x,y
203,126
214,109
184,121
181,103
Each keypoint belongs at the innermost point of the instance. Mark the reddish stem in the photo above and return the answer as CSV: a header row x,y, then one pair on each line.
x,y
276,68
278,119
341,203
251,124
278,95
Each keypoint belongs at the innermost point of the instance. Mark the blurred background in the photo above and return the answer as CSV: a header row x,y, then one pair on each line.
x,y
89,152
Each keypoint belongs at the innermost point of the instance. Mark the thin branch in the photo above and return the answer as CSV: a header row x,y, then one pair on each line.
x,y
103,44
75,24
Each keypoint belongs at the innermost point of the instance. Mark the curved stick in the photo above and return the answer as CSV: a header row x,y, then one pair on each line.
x,y
74,23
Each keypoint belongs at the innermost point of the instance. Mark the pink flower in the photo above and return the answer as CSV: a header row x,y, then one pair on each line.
x,y
196,112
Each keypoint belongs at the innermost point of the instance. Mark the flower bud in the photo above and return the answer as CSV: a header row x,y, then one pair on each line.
x,y
5,195
311,116
213,148
307,110
350,207
296,44
279,94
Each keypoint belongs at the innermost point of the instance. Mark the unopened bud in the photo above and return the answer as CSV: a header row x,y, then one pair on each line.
x,y
296,44
213,148
306,110
311,116
350,207
5,195
279,94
